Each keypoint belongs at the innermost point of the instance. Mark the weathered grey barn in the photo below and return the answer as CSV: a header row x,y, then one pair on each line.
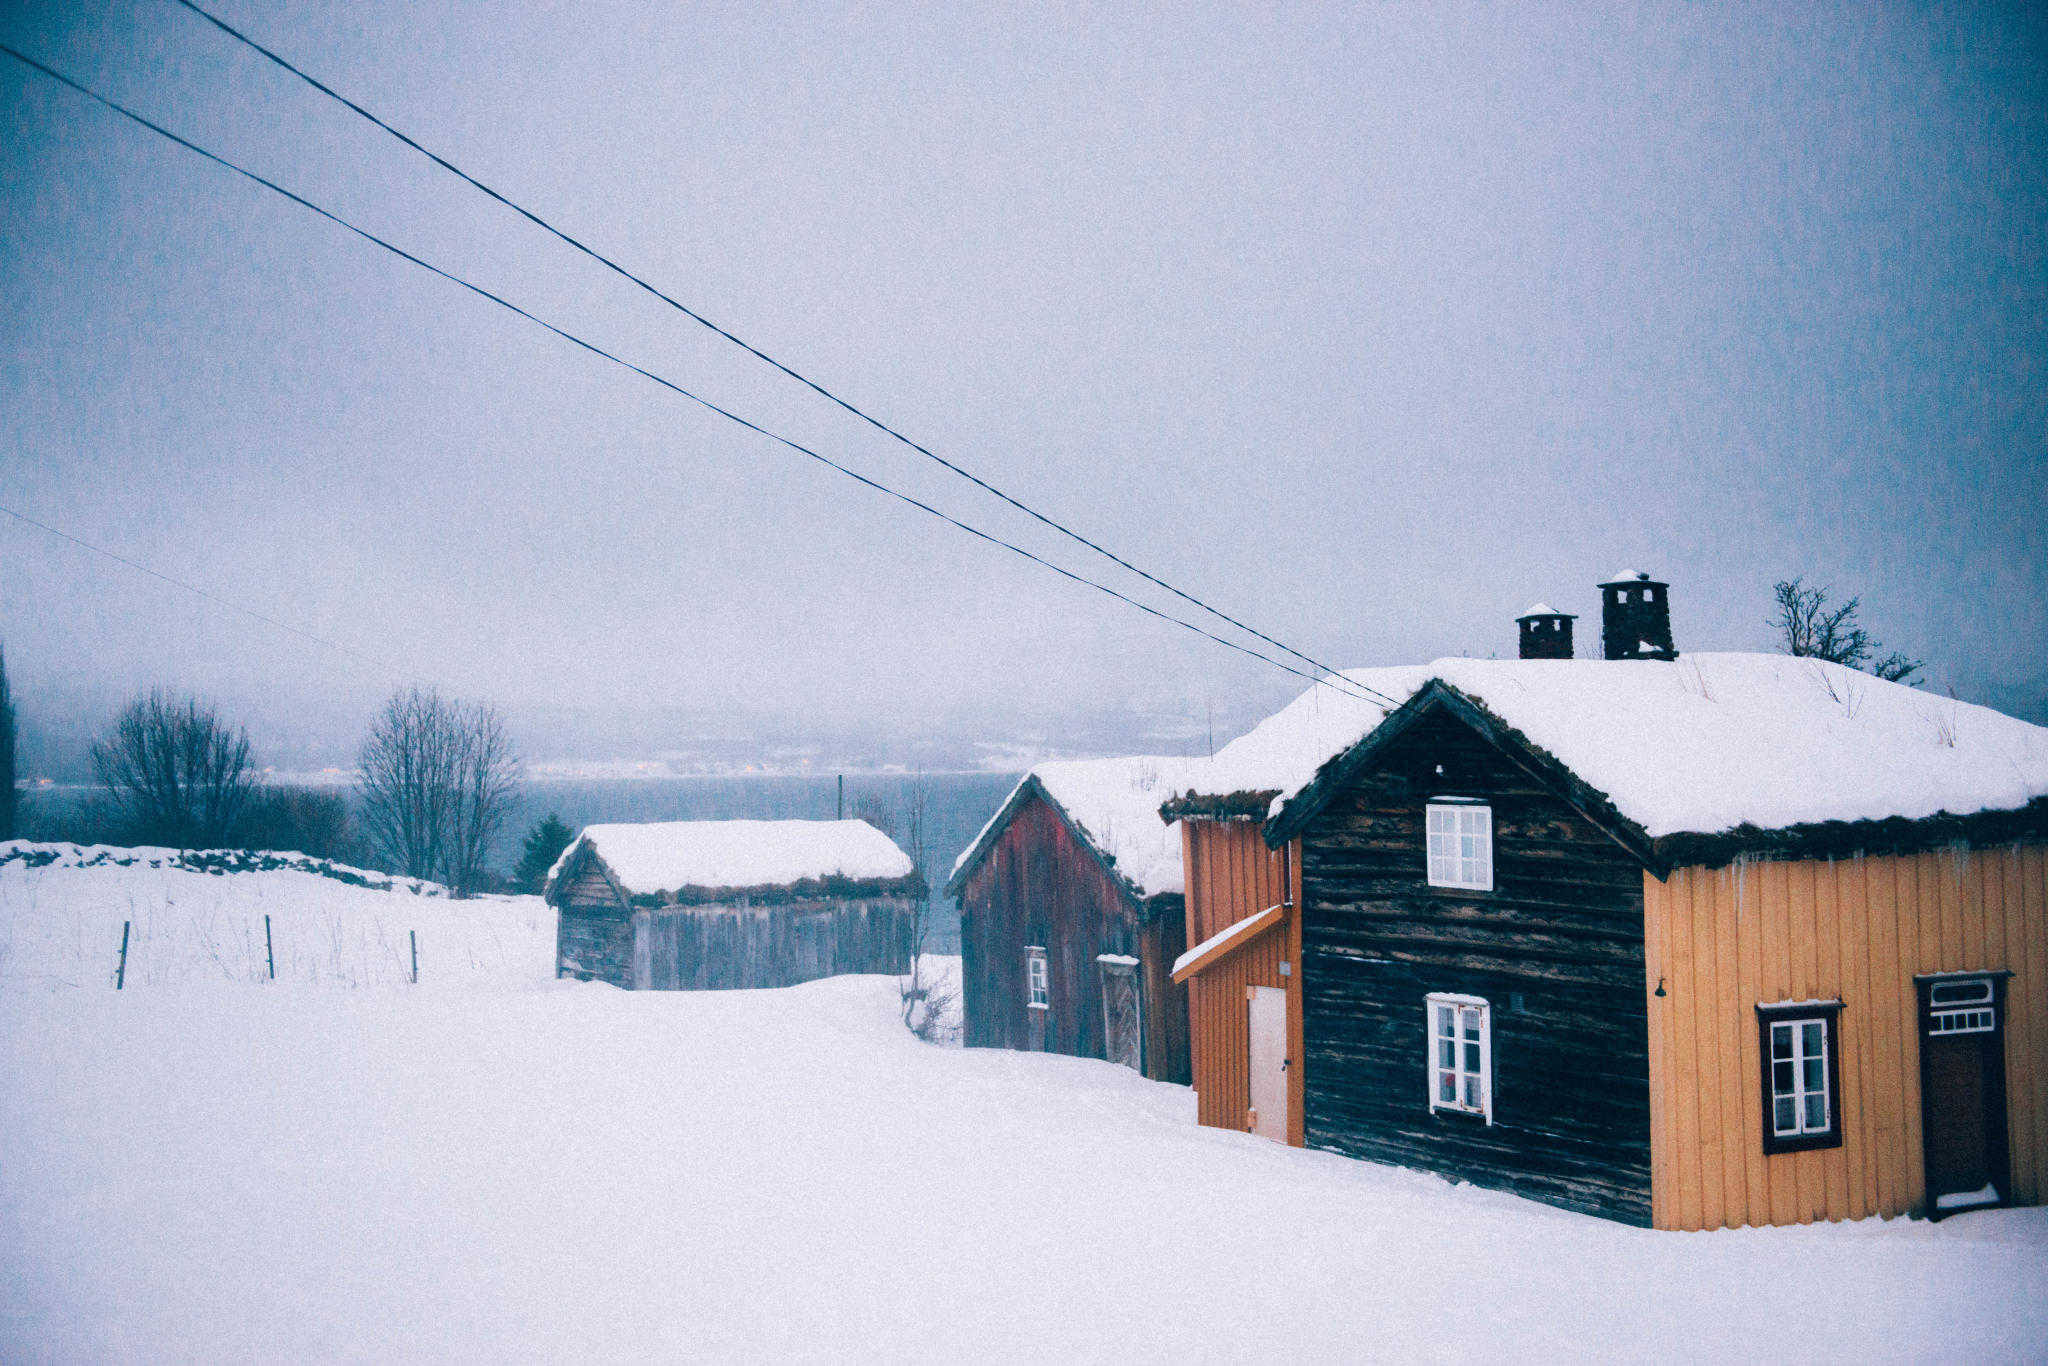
x,y
727,905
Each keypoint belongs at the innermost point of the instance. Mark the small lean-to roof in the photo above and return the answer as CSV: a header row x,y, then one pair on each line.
x,y
668,855
1701,745
1113,804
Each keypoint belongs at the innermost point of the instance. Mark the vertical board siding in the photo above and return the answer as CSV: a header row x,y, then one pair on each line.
x,y
1041,884
1563,928
1231,876
1724,941
742,946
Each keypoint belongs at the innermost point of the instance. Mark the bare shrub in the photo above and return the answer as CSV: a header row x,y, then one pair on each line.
x,y
175,774
917,844
1806,628
303,820
438,781
933,1019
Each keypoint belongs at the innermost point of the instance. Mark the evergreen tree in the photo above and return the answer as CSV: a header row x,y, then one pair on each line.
x,y
544,844
10,800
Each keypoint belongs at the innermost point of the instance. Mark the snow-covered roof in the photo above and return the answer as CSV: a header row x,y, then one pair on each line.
x,y
1543,609
665,856
1700,745
1114,804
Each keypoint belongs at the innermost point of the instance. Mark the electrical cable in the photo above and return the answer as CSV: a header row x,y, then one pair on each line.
x,y
647,374
748,347
179,583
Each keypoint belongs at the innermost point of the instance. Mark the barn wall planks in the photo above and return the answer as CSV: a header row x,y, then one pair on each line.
x,y
1040,884
1231,876
1858,929
740,946
1161,939
594,931
1562,930
716,946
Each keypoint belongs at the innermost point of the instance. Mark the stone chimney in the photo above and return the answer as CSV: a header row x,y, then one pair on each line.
x,y
1546,634
1635,618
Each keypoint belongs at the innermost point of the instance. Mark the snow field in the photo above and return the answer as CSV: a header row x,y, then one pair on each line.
x,y
522,1170
60,924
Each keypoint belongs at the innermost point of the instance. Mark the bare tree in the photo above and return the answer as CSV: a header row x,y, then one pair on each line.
x,y
438,781
868,806
10,799
1807,628
174,773
486,790
917,997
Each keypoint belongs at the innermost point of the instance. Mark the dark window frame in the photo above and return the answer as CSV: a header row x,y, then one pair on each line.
x,y
1829,1012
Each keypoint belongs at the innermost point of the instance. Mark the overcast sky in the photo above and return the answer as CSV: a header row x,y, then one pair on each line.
x,y
1370,326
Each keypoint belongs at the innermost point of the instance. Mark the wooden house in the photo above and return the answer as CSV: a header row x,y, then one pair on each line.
x,y
1071,916
722,905
1719,940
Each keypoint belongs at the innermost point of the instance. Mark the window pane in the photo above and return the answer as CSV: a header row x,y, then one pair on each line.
x,y
1814,1080
1784,1122
1472,1093
1447,1087
1444,1016
1781,1078
1811,1043
1816,1113
1471,1057
1781,1041
1471,1023
1446,1053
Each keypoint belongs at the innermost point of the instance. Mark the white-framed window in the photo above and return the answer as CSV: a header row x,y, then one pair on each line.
x,y
1460,1054
1802,1093
1037,978
1799,1078
1460,845
1961,1008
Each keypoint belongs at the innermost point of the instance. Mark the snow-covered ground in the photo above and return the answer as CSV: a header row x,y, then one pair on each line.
x,y
493,1166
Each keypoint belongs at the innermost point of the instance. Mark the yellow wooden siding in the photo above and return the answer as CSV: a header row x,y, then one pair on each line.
x,y
1721,942
1232,876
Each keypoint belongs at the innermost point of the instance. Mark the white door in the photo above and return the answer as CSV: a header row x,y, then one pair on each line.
x,y
1268,1007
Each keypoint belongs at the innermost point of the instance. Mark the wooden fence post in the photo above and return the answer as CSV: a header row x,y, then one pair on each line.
x,y
269,953
121,973
414,936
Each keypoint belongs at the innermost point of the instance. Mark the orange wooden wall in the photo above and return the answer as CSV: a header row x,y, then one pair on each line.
x,y
1858,929
1232,876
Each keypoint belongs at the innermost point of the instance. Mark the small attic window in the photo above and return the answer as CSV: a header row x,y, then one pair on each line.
x,y
1649,595
1460,839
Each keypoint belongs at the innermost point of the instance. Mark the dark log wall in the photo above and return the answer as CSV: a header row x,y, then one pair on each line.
x,y
1562,929
594,932
1040,885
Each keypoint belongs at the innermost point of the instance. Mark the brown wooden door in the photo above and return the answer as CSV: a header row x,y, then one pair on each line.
x,y
1962,1091
1958,1157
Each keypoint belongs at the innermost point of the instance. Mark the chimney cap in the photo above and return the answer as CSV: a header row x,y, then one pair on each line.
x,y
1544,609
1629,576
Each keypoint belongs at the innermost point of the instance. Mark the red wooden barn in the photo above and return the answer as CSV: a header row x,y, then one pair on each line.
x,y
1071,915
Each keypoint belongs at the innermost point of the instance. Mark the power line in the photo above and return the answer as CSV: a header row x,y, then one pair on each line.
x,y
748,347
647,374
180,583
